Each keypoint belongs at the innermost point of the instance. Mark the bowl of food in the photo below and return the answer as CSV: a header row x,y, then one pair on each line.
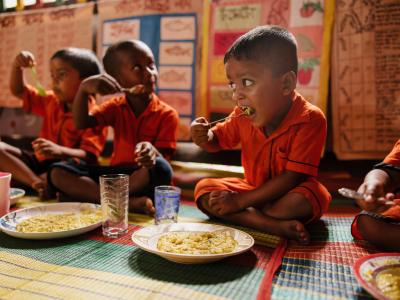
x,y
192,243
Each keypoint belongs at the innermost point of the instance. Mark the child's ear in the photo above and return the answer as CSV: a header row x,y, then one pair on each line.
x,y
289,81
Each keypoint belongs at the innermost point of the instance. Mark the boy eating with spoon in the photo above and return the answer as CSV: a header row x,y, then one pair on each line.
x,y
282,141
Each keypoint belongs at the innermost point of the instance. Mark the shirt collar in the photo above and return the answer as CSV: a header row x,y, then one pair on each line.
x,y
297,114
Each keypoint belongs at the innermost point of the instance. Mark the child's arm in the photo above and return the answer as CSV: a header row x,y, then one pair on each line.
x,y
98,84
202,135
271,190
50,150
24,59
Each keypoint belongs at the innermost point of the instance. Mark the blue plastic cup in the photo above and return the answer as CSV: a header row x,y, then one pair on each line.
x,y
167,199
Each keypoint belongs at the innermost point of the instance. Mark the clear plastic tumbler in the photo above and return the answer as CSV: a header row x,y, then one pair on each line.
x,y
114,196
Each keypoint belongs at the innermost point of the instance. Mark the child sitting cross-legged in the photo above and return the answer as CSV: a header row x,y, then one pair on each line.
x,y
58,139
281,137
145,129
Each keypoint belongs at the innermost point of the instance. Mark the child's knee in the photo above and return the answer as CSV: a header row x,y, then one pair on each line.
x,y
163,172
56,176
291,206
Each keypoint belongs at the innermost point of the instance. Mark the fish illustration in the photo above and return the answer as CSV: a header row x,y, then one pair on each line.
x,y
178,25
173,76
178,50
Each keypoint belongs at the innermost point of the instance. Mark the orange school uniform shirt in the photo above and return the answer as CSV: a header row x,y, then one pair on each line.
x,y
58,125
158,125
295,145
393,158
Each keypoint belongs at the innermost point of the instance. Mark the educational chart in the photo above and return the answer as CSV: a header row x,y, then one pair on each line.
x,y
366,77
41,32
172,30
305,19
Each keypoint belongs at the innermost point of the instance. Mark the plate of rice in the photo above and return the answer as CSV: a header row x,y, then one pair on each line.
x,y
192,243
379,274
52,221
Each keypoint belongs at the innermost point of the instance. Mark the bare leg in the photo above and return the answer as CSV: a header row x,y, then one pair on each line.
x,y
379,233
281,224
75,187
138,180
10,162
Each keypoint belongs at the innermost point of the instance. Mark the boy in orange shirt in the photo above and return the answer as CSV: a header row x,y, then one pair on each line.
x,y
281,141
58,138
145,128
379,223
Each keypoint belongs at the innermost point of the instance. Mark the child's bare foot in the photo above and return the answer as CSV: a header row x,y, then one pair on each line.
x,y
142,205
295,230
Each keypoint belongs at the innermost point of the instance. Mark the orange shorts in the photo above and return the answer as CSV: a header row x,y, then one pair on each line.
x,y
314,191
392,216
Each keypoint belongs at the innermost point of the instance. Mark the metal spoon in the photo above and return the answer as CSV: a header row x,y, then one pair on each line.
x,y
349,193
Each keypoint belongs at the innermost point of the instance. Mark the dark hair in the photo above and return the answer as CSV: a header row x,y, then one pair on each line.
x,y
111,59
82,60
271,45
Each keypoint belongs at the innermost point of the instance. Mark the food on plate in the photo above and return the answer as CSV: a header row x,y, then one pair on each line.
x,y
60,222
197,242
388,282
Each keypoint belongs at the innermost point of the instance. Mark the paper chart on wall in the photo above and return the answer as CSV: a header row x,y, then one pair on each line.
x,y
41,32
231,18
366,75
172,30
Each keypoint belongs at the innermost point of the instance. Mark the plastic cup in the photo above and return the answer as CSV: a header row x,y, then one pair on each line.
x,y
5,180
167,200
114,197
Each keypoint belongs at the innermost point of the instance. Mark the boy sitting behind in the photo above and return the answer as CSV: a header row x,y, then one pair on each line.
x,y
58,138
379,223
145,128
281,141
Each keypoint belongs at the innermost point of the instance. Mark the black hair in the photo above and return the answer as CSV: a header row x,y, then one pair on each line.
x,y
273,46
82,60
111,60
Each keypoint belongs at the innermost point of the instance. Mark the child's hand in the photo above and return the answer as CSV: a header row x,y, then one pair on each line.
x,y
47,149
200,131
375,197
146,154
24,59
223,203
102,84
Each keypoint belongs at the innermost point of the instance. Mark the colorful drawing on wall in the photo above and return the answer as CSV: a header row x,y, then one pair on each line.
x,y
231,18
176,53
178,28
173,40
120,30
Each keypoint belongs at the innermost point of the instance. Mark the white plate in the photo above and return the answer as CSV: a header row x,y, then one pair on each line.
x,y
15,194
8,223
147,238
367,267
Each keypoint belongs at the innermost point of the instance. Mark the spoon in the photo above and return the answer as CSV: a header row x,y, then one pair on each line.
x,y
247,111
349,193
39,87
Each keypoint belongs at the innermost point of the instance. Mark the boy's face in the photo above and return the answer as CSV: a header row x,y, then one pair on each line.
x,y
254,85
137,67
65,80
